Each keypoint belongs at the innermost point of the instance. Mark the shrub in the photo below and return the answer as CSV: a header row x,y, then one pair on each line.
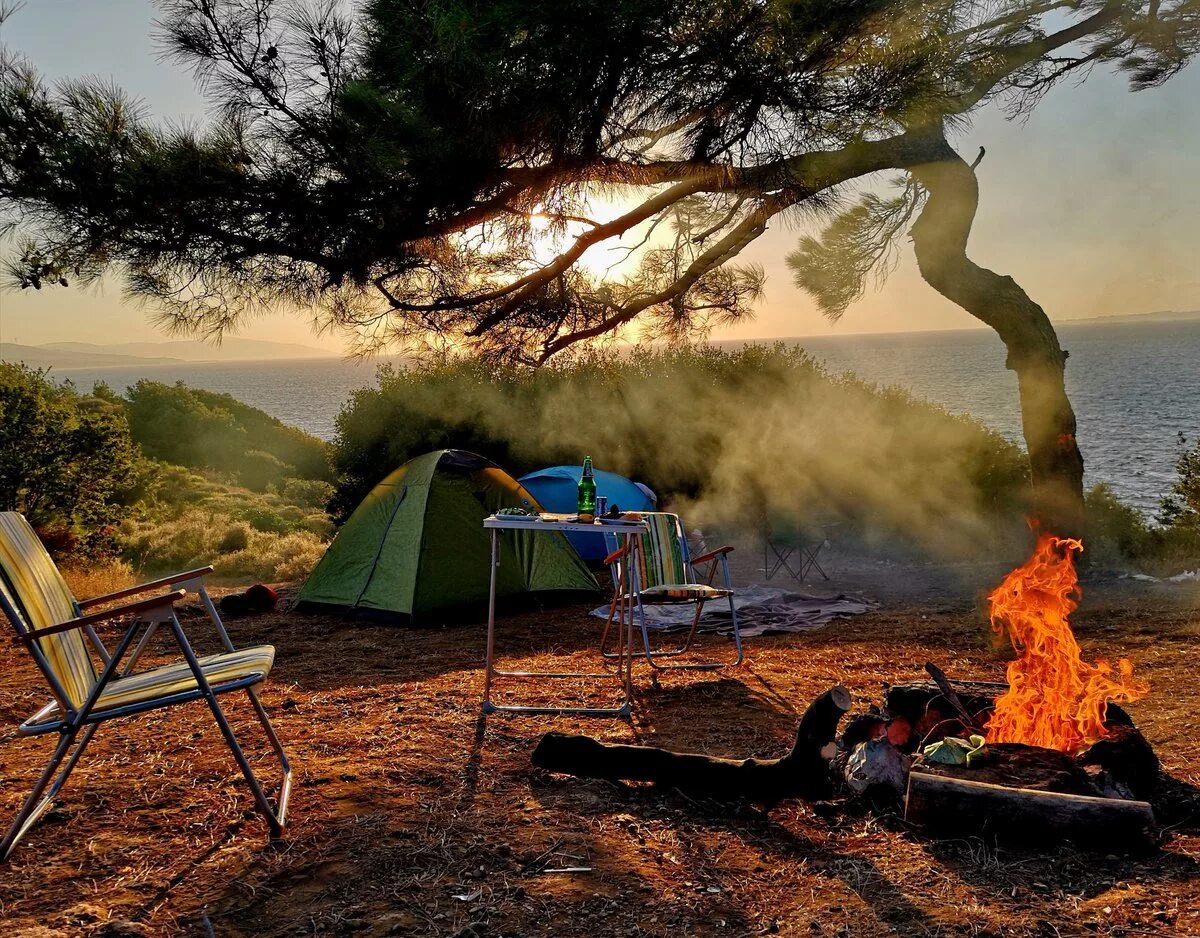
x,y
272,558
98,577
237,551
307,493
1181,507
1115,531
735,435
208,431
65,459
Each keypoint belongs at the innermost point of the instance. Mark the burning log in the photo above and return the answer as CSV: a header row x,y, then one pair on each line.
x,y
1125,758
959,806
922,710
802,773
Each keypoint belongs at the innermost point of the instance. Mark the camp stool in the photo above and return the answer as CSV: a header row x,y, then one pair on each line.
x,y
57,631
664,573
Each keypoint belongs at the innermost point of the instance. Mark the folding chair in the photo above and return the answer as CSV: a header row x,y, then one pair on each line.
x,y
56,630
665,574
779,545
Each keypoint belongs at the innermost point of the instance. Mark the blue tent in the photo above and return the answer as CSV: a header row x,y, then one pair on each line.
x,y
557,489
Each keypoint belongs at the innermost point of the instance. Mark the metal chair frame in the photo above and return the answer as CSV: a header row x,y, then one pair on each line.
x,y
783,554
77,725
627,595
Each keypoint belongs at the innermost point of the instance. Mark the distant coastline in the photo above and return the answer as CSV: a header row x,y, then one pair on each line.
x,y
84,355
69,355
1162,315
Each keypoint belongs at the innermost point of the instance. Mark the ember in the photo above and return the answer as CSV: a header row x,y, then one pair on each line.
x,y
1055,699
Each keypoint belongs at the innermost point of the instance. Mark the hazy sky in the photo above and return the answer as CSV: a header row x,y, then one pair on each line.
x,y
1093,204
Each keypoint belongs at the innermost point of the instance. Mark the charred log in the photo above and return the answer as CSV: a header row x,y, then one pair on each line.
x,y
1016,765
958,807
802,773
1126,760
923,713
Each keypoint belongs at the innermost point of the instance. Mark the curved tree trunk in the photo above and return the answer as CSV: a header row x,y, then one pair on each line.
x,y
940,237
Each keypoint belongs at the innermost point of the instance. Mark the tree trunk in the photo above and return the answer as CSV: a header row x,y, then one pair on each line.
x,y
940,237
802,773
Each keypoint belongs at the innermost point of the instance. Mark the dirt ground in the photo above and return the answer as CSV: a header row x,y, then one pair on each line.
x,y
413,815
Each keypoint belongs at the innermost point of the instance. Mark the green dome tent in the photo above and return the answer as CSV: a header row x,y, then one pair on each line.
x,y
416,549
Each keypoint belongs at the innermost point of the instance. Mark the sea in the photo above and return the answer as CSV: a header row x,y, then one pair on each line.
x,y
1135,387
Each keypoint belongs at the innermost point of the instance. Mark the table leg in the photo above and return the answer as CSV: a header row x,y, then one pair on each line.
x,y
488,706
491,671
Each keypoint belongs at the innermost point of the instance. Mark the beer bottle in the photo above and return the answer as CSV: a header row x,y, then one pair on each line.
x,y
587,493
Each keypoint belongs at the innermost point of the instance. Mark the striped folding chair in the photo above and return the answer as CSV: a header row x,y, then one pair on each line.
x,y
91,685
662,572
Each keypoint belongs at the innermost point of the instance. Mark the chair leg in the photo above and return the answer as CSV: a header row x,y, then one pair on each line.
x,y
697,666
40,799
285,785
272,815
616,611
737,631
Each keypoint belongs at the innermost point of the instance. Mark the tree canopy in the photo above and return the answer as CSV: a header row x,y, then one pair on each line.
x,y
401,166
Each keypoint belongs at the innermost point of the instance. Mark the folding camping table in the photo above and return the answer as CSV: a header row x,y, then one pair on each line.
x,y
624,664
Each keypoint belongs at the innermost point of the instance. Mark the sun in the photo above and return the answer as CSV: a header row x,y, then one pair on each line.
x,y
607,259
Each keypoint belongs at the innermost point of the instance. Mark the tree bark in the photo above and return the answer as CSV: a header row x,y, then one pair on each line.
x,y
940,238
802,773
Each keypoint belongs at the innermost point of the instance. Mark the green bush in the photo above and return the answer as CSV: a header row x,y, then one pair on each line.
x,y
203,430
1181,507
307,493
66,460
1115,531
730,435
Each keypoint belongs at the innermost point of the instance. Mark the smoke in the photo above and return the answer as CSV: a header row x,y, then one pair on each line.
x,y
734,439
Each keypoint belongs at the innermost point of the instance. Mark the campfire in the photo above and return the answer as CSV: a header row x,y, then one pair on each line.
x,y
1055,699
1050,752
1048,755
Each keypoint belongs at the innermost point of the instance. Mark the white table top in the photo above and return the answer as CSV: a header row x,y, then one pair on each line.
x,y
534,523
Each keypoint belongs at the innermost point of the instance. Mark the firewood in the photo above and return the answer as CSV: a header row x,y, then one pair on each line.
x,y
1127,757
961,807
924,704
939,678
802,773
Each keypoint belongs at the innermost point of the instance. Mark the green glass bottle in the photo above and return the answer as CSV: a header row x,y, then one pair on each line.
x,y
587,493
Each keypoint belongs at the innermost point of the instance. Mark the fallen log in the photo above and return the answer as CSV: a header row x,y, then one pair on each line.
x,y
802,773
962,807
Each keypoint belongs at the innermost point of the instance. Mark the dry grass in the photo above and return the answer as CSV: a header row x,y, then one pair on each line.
x,y
96,579
413,816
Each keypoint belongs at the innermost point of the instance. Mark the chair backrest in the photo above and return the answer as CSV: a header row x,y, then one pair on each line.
x,y
664,554
43,599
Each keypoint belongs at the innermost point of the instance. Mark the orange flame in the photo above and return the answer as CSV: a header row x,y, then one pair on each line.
x,y
1055,698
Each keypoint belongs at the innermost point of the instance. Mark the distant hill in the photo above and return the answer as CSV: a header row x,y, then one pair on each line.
x,y
1162,315
193,350
43,356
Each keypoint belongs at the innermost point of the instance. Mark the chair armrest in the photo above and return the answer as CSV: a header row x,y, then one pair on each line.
x,y
616,555
145,587
713,554
142,605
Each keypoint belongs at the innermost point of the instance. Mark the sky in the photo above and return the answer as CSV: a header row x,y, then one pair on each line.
x,y
1092,203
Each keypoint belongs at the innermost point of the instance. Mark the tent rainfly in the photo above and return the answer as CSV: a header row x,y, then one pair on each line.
x,y
415,550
